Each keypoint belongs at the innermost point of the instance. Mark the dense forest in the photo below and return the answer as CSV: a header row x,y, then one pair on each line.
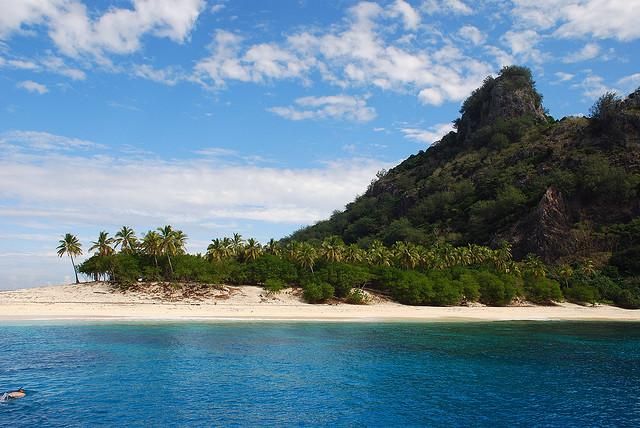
x,y
565,190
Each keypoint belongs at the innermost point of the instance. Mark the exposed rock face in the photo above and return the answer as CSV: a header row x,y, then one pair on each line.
x,y
507,104
547,231
506,97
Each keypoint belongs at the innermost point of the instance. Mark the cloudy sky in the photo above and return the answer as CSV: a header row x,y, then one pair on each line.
x,y
255,116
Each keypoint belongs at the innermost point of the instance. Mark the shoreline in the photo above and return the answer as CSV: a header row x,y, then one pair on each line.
x,y
97,302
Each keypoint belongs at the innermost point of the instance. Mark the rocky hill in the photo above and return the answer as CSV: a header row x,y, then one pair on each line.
x,y
566,190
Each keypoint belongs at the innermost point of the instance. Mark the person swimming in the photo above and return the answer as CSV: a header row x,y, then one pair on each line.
x,y
12,395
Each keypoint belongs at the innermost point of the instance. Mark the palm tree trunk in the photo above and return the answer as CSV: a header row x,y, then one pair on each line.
x,y
74,268
156,260
170,266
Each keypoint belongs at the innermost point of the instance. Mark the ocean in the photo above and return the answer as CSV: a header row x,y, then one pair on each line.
x,y
500,374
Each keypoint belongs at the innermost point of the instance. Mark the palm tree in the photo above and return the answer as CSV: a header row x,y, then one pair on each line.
x,y
565,272
273,247
180,242
378,254
103,246
126,239
152,245
252,249
588,268
534,266
353,254
237,243
305,255
502,258
215,250
406,254
70,245
332,248
172,243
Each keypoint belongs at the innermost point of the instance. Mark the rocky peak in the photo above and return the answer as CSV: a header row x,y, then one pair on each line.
x,y
510,95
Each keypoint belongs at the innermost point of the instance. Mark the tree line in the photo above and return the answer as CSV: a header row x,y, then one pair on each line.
x,y
440,274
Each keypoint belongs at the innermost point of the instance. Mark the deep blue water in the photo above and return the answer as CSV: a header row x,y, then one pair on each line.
x,y
307,374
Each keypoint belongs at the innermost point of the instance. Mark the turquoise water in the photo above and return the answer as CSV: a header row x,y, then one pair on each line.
x,y
307,374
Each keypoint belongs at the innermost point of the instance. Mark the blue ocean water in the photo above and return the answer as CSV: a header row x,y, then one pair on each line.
x,y
322,374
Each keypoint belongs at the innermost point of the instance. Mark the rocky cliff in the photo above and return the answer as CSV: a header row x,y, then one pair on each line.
x,y
510,172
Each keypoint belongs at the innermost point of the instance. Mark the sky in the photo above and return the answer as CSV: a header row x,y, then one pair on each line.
x,y
256,117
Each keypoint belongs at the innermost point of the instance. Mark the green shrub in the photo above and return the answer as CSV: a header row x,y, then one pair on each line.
x,y
344,277
126,269
494,290
268,266
542,290
470,287
582,294
411,288
317,292
273,285
446,290
357,297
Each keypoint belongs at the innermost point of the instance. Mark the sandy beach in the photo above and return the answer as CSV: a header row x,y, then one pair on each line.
x,y
98,301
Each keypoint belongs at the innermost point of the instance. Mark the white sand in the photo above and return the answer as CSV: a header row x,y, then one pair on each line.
x,y
97,301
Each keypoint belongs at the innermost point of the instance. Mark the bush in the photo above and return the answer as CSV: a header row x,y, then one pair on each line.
x,y
188,267
268,267
470,287
344,277
273,285
126,269
357,297
605,114
494,290
542,290
411,288
582,294
446,290
317,292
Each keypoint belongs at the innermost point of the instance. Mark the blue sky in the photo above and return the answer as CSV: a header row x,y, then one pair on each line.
x,y
255,116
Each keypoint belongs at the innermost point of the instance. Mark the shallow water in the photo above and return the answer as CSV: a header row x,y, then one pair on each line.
x,y
337,374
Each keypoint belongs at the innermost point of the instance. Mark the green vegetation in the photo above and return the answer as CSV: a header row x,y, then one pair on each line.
x,y
566,191
439,275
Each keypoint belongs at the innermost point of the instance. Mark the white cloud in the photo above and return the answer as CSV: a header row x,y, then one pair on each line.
x,y
215,8
472,34
43,141
429,136
630,83
593,86
603,19
354,53
168,76
118,30
259,63
330,107
563,77
523,45
57,65
410,16
456,7
588,51
62,188
51,63
33,87
582,18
